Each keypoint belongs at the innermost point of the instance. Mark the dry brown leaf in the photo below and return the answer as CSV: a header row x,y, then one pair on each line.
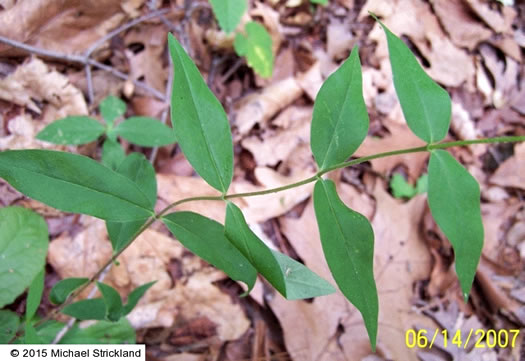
x,y
464,29
311,80
34,81
339,39
511,173
68,26
276,146
185,357
495,15
261,107
449,65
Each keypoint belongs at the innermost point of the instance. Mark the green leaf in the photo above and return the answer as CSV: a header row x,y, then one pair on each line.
x,y
137,168
228,13
90,309
112,154
422,184
74,183
256,46
111,108
135,296
426,106
61,290
205,238
9,323
72,130
112,300
23,249
401,188
292,279
30,335
454,200
348,245
321,2
340,120
34,295
199,122
102,332
146,132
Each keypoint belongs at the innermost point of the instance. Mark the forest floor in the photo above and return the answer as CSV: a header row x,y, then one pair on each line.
x,y
473,48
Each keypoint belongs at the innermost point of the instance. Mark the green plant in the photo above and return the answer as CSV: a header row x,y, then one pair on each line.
x,y
76,130
125,198
255,44
24,242
402,189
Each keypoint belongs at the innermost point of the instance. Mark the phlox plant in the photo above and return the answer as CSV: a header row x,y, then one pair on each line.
x,y
124,192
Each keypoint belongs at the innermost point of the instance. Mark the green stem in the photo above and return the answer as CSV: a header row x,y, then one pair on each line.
x,y
311,179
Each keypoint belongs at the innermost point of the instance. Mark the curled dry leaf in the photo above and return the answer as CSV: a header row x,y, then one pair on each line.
x,y
511,173
67,27
499,21
261,107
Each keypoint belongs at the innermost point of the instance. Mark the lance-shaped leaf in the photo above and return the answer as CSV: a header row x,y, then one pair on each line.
x,y
134,297
454,200
63,288
90,309
292,279
111,108
34,295
228,13
74,183
145,131
72,130
206,239
112,300
138,169
426,106
23,250
199,122
256,46
348,245
340,120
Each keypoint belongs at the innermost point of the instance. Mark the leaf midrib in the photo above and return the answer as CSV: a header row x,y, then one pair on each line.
x,y
83,186
203,133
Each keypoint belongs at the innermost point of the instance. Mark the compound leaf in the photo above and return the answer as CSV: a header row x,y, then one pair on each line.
x,y
292,279
426,106
9,322
206,239
199,122
454,200
111,108
340,120
61,290
72,130
34,295
135,296
90,309
74,183
256,46
348,245
23,250
145,131
112,300
228,13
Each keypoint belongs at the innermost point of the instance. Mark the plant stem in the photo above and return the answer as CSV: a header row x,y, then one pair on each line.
x,y
425,148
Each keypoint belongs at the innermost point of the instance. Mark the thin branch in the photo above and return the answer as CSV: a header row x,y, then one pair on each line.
x,y
79,59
